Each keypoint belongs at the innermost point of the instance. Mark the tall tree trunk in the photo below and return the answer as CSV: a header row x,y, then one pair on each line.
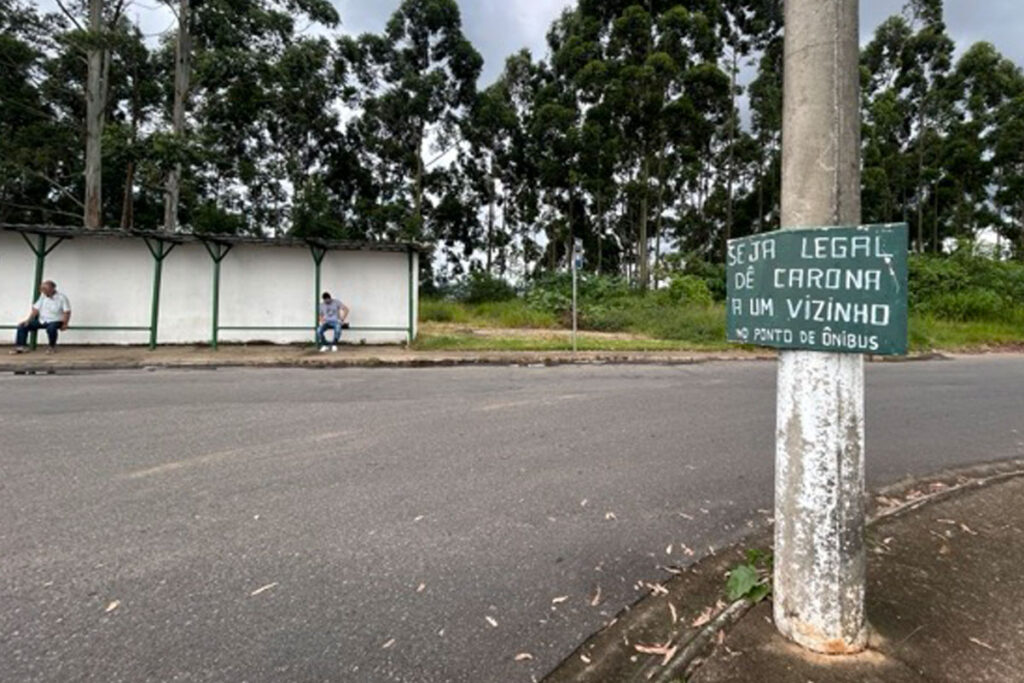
x,y
917,188
761,200
641,248
729,159
935,218
182,67
128,199
490,219
95,105
657,216
418,186
600,233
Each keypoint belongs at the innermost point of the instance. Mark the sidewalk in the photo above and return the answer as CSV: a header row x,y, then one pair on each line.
x,y
299,355
945,599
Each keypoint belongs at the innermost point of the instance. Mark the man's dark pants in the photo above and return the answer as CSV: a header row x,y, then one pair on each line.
x,y
33,325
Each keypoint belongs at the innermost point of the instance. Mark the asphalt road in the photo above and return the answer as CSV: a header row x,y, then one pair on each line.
x,y
399,525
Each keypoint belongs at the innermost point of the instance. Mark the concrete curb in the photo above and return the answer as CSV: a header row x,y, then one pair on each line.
x,y
899,498
421,361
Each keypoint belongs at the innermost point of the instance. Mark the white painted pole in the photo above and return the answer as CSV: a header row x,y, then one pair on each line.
x,y
819,458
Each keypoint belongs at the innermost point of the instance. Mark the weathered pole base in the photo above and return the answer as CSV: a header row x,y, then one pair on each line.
x,y
819,502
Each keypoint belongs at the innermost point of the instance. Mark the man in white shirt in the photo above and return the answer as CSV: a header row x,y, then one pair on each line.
x,y
51,312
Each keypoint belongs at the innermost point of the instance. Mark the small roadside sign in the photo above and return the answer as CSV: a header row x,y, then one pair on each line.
x,y
840,289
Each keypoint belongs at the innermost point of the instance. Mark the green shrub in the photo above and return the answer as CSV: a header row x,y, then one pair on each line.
x,y
442,311
965,287
689,289
713,275
480,286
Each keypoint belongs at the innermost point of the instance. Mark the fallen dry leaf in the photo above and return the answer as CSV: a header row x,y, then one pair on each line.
x,y
585,659
492,621
668,549
418,518
672,611
387,644
559,600
420,588
981,643
261,589
702,618
523,657
610,515
595,600
720,637
113,606
657,589
667,651
968,529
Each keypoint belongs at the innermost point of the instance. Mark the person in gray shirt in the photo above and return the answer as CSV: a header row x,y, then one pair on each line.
x,y
333,314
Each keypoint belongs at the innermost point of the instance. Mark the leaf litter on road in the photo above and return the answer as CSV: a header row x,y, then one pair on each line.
x,y
262,589
114,604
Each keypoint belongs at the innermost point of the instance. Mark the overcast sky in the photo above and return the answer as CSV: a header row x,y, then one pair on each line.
x,y
499,28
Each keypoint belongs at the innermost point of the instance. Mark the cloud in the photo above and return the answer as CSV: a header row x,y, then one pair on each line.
x,y
999,22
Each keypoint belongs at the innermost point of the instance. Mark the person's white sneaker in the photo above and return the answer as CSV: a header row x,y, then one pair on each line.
x,y
323,349
334,349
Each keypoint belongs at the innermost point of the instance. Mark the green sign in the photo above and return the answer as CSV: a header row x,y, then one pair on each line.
x,y
823,289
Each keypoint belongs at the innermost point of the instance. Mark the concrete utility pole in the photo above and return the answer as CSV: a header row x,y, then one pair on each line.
x,y
819,459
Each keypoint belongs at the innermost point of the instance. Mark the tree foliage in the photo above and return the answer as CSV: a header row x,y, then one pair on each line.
x,y
650,130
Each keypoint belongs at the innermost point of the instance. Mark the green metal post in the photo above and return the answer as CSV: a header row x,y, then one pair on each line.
x,y
216,303
40,251
159,253
217,252
412,308
318,258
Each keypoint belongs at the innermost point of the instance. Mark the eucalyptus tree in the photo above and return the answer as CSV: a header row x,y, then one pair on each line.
x,y
1008,161
419,82
92,23
905,68
226,78
985,86
39,142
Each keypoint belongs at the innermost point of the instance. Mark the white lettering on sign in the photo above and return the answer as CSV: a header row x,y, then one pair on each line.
x,y
858,246
741,253
830,311
834,279
773,335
